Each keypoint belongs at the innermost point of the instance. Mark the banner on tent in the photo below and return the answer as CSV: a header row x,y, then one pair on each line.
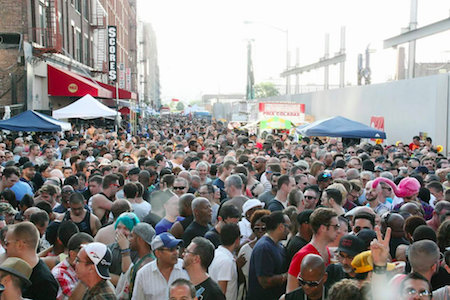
x,y
295,112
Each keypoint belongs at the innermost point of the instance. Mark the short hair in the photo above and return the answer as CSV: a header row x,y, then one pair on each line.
x,y
66,230
45,206
436,185
346,289
168,179
39,218
71,180
412,222
78,239
26,231
181,282
76,198
12,170
366,216
273,220
229,163
313,188
228,211
415,276
335,194
321,216
96,178
276,168
120,206
283,179
229,234
423,255
108,180
234,180
442,205
423,232
49,189
205,250
130,190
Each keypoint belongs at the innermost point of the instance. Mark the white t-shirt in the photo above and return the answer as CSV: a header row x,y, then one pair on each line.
x,y
223,268
246,230
141,209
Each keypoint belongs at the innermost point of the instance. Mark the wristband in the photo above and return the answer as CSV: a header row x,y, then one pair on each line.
x,y
379,269
125,250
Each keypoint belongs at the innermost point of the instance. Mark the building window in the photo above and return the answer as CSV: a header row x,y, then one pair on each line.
x,y
86,51
86,9
78,5
78,43
42,25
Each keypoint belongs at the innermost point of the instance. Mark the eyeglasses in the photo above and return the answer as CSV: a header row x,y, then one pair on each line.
x,y
177,248
424,294
77,261
310,198
312,284
344,257
259,228
387,188
115,184
186,251
179,188
326,175
336,226
288,226
9,242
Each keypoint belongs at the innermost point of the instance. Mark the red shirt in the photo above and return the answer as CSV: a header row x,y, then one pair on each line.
x,y
294,267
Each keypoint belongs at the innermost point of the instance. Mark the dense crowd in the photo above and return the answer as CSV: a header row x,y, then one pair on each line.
x,y
194,209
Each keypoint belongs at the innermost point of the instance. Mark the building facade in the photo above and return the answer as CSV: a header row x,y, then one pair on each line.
x,y
56,52
148,68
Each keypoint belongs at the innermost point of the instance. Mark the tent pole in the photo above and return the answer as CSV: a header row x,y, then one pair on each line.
x,y
117,107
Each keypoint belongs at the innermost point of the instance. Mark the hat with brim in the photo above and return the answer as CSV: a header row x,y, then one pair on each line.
x,y
351,244
166,240
19,268
101,256
363,263
250,204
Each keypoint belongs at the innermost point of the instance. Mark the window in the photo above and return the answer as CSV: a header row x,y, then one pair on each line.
x,y
86,9
78,43
86,57
42,25
78,5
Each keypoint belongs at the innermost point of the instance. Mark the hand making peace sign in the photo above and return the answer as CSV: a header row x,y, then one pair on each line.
x,y
380,247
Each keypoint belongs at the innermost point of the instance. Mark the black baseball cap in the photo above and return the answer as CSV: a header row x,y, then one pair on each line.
x,y
303,217
352,245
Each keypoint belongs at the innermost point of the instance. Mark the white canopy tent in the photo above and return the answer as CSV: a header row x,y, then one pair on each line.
x,y
86,107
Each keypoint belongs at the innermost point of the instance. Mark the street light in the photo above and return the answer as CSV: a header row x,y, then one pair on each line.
x,y
285,31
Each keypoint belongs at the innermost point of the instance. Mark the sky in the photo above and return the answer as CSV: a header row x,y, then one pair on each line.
x,y
202,43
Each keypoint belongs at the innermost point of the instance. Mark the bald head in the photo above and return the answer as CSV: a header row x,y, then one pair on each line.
x,y
312,264
273,160
186,175
120,206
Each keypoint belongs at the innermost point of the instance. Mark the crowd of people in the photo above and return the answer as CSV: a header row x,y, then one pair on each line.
x,y
194,209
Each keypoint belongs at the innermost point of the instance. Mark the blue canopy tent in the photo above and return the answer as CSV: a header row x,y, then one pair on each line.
x,y
34,121
340,127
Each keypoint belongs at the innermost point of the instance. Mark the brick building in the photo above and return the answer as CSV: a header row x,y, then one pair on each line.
x,y
54,51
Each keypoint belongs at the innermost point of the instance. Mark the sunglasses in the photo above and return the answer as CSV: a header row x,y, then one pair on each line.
x,y
312,284
336,226
310,198
179,188
259,228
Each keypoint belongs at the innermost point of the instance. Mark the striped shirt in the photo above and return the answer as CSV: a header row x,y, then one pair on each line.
x,y
151,284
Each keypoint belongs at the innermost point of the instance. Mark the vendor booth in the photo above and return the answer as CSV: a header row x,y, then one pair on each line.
x,y
86,107
29,121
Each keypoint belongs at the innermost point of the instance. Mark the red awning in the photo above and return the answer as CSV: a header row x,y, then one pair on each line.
x,y
124,111
123,94
65,83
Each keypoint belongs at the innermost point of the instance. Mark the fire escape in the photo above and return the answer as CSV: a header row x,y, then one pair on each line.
x,y
99,27
47,36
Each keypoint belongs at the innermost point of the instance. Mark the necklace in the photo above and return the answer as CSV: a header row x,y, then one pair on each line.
x,y
323,293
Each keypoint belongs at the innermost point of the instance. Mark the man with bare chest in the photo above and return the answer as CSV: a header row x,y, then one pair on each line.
x,y
101,203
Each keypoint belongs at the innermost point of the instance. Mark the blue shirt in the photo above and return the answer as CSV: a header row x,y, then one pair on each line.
x,y
164,225
267,259
20,189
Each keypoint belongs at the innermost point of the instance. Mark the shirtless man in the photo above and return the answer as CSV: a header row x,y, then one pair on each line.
x,y
101,203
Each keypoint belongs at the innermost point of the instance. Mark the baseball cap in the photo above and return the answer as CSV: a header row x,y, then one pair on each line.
x,y
368,165
380,159
145,231
421,169
252,203
6,208
363,263
134,171
165,239
302,163
27,165
19,268
367,235
105,162
352,245
379,169
303,217
324,177
101,257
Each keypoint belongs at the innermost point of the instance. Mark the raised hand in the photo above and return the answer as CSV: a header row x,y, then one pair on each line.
x,y
380,247
122,240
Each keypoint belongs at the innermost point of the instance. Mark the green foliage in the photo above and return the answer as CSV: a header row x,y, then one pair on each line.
x,y
265,89
180,106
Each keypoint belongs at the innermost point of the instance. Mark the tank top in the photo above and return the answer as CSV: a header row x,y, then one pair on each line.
x,y
105,217
84,225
